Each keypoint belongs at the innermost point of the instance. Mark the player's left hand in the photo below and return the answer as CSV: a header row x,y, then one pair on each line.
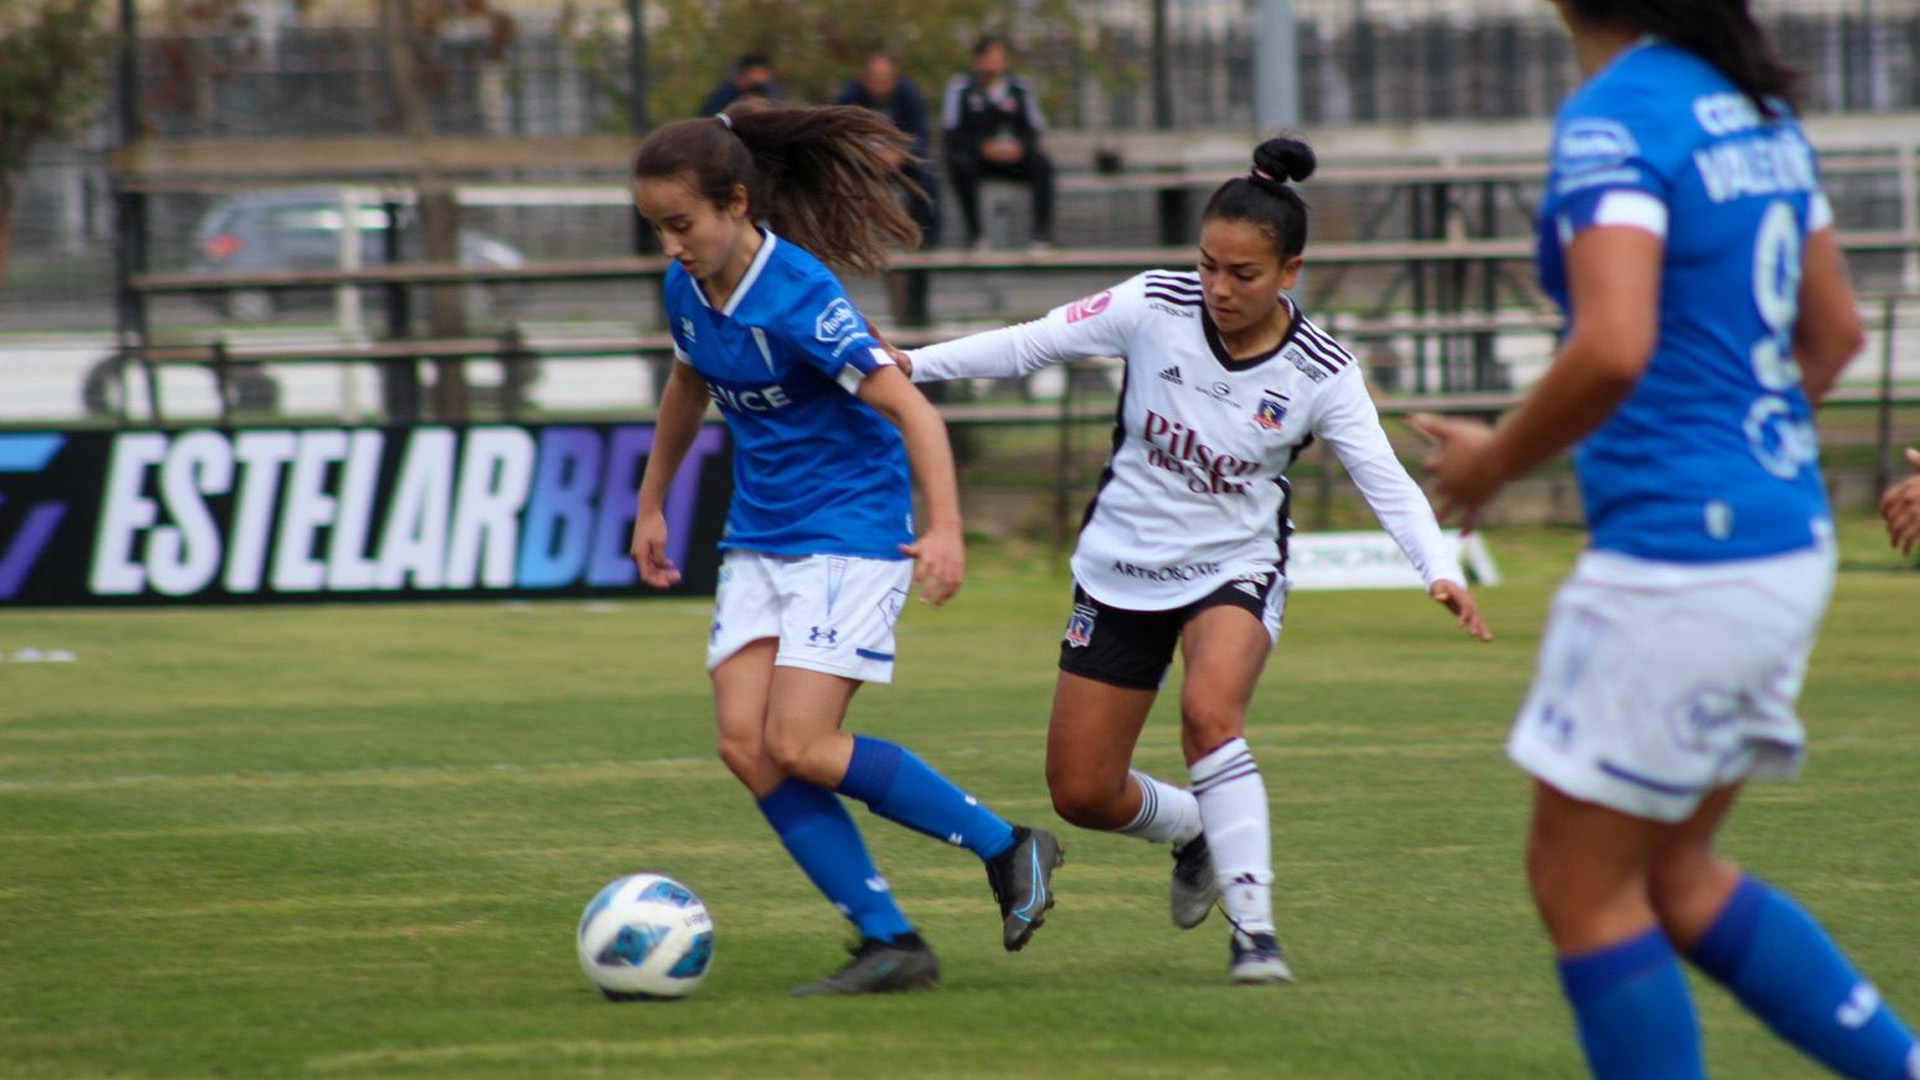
x,y
1900,506
1457,599
941,561
900,359
1464,472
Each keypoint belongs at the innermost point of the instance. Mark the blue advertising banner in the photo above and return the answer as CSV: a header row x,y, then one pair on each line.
x,y
269,515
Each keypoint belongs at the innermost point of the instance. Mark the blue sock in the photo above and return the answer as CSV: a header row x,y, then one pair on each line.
x,y
900,788
1635,1015
821,836
1786,970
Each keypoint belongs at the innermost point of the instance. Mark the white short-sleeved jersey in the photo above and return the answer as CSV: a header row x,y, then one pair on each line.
x,y
1195,493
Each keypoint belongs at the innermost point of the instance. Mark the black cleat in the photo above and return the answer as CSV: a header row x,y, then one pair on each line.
x,y
1193,890
881,967
1022,878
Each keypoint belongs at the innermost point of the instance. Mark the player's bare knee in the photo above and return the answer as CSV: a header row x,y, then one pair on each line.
x,y
744,758
1687,886
1082,803
791,752
1208,723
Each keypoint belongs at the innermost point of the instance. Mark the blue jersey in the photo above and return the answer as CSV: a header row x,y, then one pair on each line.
x,y
1714,455
815,470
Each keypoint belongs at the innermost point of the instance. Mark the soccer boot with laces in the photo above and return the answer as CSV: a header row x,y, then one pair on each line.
x,y
881,967
1257,958
1192,891
1022,880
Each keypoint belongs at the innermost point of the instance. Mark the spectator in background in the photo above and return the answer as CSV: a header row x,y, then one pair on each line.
x,y
881,87
752,77
1901,507
992,122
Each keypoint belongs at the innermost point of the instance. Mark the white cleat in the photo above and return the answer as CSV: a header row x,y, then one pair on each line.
x,y
1192,891
1257,959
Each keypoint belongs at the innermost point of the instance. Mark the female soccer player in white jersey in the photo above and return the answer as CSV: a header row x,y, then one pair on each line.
x,y
819,548
1686,237
1185,544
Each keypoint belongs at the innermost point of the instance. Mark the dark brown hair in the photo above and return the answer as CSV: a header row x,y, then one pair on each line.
x,y
815,175
1721,32
1265,199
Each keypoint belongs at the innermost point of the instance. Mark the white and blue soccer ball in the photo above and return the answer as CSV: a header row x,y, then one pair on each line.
x,y
645,937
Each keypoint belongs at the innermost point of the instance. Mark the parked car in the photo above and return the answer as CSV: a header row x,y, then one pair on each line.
x,y
300,230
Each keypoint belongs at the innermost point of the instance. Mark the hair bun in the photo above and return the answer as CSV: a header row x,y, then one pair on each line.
x,y
1285,159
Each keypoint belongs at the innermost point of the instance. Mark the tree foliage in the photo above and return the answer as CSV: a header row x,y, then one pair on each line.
x,y
53,57
816,45
52,70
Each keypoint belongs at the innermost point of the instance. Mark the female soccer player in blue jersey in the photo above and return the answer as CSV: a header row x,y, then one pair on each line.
x,y
820,547
1685,235
1184,547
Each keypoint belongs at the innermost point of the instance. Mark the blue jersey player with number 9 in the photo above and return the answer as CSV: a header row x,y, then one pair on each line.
x,y
1685,235
819,547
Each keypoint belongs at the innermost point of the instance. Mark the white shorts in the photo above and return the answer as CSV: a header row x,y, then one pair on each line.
x,y
1660,682
832,613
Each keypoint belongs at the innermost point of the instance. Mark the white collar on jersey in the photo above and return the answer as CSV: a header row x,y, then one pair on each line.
x,y
767,240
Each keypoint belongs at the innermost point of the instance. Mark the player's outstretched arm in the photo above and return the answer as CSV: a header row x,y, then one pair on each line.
x,y
683,404
940,550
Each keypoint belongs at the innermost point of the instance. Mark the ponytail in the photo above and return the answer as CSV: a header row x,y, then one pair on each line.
x,y
816,175
1721,32
1266,199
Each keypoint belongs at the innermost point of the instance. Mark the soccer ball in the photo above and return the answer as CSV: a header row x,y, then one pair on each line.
x,y
645,937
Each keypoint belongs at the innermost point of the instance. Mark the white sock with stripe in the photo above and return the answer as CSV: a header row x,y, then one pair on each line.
x,y
1168,814
1233,807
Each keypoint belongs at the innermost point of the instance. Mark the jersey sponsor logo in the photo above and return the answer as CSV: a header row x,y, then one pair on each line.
x,y
1184,572
756,400
1080,626
1177,448
1567,185
1088,306
1218,391
1172,375
1171,309
837,322
1271,410
1592,144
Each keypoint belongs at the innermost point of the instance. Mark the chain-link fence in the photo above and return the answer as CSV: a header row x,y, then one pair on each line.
x,y
551,70
1359,61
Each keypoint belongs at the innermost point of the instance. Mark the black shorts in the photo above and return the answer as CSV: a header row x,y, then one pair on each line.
x,y
1133,649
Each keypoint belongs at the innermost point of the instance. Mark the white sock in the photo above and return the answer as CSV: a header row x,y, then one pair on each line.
x,y
1168,814
1233,807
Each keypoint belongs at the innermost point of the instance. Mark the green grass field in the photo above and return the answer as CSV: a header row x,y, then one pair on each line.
x,y
352,842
